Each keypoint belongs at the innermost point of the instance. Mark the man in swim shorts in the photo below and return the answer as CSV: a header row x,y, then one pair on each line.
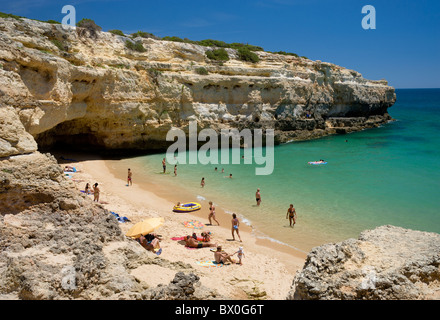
x,y
258,197
193,243
164,165
222,257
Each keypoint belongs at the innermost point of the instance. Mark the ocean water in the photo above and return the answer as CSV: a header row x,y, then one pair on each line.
x,y
386,175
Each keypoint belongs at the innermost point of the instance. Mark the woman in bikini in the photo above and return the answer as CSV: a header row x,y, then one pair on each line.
x,y
129,175
291,213
96,192
87,189
235,224
212,213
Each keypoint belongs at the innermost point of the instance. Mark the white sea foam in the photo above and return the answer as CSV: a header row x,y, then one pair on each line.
x,y
200,198
262,236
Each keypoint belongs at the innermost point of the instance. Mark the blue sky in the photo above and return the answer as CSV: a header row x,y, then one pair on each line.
x,y
403,49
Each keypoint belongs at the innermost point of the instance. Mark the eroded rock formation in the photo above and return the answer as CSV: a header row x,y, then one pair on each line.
x,y
58,244
70,88
387,263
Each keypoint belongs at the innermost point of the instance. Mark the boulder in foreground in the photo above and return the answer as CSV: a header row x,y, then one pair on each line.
x,y
387,263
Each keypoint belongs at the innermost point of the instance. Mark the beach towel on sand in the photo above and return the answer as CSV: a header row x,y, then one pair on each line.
x,y
209,264
120,219
194,224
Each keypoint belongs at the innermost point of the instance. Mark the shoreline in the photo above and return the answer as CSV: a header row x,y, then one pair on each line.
x,y
166,194
143,200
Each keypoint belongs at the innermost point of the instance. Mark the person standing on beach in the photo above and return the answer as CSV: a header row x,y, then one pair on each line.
x,y
235,225
240,255
175,170
164,165
291,213
258,197
202,183
212,213
96,192
129,183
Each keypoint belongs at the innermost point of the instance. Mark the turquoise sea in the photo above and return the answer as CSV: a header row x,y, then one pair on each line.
x,y
386,175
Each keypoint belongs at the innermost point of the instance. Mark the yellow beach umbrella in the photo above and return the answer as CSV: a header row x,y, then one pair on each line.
x,y
144,227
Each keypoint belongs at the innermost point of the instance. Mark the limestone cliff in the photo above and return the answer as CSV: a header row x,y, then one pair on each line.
x,y
72,87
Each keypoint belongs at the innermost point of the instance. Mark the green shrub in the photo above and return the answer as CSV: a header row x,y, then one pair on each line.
x,y
186,40
136,46
154,72
120,66
58,44
88,24
213,43
217,54
45,51
250,47
175,39
53,22
286,53
9,15
202,71
117,32
245,54
143,34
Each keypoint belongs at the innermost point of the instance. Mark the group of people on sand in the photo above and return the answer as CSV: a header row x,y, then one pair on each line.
x,y
151,242
92,190
220,256
235,222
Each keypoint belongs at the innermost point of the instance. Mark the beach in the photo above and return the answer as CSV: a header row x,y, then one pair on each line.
x,y
267,269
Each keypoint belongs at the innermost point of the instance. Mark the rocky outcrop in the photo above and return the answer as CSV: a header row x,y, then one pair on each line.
x,y
386,263
67,87
184,286
13,137
56,244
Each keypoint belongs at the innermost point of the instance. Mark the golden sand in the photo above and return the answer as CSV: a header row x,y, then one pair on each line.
x,y
268,268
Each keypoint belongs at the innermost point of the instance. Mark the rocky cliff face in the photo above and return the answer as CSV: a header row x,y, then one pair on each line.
x,y
57,244
387,263
71,87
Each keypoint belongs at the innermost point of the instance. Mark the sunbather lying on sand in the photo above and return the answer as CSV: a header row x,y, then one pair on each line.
x,y
204,236
150,242
193,243
70,169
